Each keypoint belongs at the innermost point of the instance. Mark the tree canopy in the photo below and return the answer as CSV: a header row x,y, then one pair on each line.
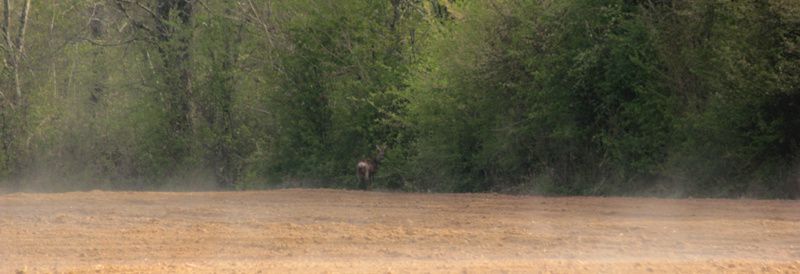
x,y
573,97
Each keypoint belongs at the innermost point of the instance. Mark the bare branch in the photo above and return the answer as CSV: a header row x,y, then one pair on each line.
x,y
23,26
134,22
267,31
101,44
203,4
6,24
148,10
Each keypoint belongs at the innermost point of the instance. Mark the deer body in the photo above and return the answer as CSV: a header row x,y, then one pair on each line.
x,y
366,168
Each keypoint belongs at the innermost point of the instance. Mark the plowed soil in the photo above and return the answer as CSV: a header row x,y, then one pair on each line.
x,y
334,231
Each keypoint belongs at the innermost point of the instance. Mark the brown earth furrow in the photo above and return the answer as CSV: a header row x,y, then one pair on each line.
x,y
308,230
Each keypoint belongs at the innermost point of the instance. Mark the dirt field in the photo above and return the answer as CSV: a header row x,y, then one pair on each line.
x,y
353,231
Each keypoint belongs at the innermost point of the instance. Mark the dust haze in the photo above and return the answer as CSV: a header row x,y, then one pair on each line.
x,y
314,230
188,136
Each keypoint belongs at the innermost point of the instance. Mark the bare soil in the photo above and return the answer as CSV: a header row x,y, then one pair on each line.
x,y
335,231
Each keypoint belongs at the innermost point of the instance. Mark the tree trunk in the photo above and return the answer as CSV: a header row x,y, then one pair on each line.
x,y
20,48
13,107
97,32
9,46
171,33
218,114
174,40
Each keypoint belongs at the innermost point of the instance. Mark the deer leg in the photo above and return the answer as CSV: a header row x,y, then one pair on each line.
x,y
367,180
358,175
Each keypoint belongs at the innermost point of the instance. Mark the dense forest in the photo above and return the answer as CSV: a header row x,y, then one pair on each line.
x,y
560,97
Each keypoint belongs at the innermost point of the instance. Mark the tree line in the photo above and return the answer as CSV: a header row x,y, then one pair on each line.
x,y
569,97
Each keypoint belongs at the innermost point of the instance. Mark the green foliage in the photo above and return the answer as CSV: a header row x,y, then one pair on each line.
x,y
599,97
335,86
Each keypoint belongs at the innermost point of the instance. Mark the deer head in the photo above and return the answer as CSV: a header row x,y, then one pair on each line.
x,y
380,152
366,168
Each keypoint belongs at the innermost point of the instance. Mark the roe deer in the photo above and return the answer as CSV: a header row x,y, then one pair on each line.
x,y
366,168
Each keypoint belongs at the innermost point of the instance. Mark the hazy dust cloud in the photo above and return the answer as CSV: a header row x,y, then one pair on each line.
x,y
353,231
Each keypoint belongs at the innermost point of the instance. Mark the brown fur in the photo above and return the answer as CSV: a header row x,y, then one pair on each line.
x,y
366,169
